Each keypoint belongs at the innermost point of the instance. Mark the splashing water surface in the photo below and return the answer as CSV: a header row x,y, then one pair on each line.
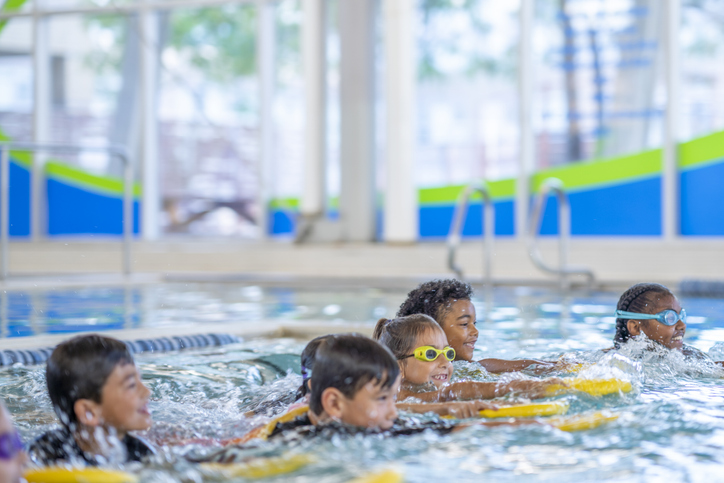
x,y
669,428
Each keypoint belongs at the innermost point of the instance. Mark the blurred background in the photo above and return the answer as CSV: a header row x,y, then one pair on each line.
x,y
292,124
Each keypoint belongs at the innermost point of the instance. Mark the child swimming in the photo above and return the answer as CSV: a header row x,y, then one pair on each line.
x,y
424,357
448,303
457,409
652,311
97,393
12,456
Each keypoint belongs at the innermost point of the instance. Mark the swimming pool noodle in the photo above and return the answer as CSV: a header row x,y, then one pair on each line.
x,y
261,467
594,387
78,475
527,410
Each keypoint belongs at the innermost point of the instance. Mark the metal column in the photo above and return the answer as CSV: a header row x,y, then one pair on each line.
x,y
357,99
527,138
401,213
41,120
265,57
151,202
314,34
670,204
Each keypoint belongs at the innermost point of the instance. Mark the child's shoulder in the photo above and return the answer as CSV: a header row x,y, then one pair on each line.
x,y
54,445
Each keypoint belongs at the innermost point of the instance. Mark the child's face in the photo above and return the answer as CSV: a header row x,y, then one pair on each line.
x,y
668,336
372,407
124,400
460,330
438,372
12,458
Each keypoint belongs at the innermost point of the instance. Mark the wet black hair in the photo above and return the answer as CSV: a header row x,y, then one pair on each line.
x,y
639,298
433,298
347,362
399,334
308,358
79,368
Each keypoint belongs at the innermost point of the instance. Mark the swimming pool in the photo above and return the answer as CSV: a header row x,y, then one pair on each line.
x,y
671,427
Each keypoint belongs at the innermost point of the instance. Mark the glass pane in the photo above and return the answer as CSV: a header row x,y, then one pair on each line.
x,y
16,83
88,88
209,122
467,91
702,43
599,74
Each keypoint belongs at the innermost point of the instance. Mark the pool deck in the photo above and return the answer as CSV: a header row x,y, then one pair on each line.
x,y
615,261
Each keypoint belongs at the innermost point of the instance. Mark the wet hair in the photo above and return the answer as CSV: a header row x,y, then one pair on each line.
x,y
308,358
638,298
347,362
433,298
399,335
79,368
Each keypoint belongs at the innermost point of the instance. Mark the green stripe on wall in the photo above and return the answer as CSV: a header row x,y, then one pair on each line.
x,y
99,184
23,158
702,150
501,189
602,172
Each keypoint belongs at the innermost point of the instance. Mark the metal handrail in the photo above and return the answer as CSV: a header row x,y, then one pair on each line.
x,y
455,234
117,151
564,233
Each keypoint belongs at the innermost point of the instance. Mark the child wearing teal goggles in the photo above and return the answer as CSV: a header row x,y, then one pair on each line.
x,y
652,311
425,359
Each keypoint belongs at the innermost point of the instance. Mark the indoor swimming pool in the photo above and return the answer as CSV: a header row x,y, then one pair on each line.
x,y
669,428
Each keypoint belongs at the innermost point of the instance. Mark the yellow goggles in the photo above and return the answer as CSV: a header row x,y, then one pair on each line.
x,y
428,353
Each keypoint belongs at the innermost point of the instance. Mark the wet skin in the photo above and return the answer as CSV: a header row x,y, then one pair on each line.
x,y
459,326
671,337
419,372
373,406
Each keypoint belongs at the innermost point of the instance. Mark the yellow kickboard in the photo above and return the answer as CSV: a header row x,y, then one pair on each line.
x,y
384,476
78,475
261,467
527,410
581,422
594,387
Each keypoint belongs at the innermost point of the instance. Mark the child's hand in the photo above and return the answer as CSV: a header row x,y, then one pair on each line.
x,y
468,409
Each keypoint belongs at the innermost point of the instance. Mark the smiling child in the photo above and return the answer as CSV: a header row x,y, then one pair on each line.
x,y
97,393
425,361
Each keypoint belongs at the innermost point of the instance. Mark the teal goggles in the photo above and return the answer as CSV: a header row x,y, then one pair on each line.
x,y
667,317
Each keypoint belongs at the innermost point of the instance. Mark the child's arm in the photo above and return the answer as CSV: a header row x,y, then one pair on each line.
x,y
490,390
456,409
503,365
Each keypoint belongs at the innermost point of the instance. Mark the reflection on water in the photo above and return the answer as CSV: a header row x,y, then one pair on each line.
x,y
670,428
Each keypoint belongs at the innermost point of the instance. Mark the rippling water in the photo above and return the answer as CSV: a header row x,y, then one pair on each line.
x,y
670,428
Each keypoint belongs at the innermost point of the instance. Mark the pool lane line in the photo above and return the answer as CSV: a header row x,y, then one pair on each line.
x,y
139,346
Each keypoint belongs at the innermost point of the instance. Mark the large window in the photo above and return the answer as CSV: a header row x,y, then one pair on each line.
x,y
599,78
702,43
208,115
467,97
16,81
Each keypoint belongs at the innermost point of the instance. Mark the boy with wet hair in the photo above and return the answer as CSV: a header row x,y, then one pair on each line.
x,y
97,394
449,303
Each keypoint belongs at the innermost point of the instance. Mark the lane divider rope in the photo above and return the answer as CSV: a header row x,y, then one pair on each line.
x,y
139,346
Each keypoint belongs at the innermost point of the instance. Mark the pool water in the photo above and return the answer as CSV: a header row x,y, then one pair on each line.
x,y
670,427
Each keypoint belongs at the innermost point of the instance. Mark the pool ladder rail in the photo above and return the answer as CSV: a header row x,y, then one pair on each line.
x,y
564,270
488,223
